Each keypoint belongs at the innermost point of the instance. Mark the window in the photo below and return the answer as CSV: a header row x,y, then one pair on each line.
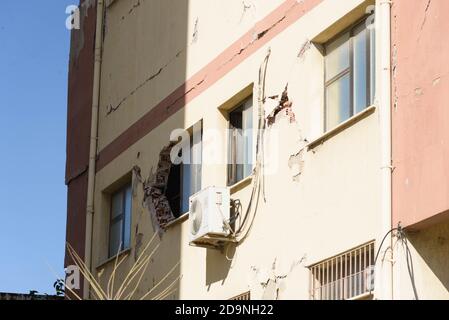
x,y
346,276
350,74
240,152
184,179
120,225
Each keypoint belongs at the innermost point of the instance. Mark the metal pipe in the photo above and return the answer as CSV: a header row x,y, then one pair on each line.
x,y
93,144
384,278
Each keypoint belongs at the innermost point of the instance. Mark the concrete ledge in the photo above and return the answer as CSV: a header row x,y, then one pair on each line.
x,y
341,127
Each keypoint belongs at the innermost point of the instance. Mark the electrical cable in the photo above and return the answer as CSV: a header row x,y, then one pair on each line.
x,y
258,168
410,268
383,240
403,237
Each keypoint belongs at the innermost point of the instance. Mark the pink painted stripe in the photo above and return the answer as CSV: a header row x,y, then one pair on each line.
x,y
265,30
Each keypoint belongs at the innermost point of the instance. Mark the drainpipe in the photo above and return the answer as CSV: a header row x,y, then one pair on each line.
x,y
384,270
93,144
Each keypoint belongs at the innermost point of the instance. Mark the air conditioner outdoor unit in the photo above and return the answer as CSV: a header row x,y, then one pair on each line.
x,y
209,215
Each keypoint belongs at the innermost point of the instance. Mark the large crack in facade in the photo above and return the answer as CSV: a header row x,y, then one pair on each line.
x,y
154,189
259,35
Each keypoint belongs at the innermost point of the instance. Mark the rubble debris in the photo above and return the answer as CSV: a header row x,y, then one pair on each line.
x,y
154,192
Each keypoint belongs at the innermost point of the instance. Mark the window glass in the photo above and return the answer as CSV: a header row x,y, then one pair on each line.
x,y
117,205
240,153
127,218
337,56
372,65
115,238
120,223
186,187
197,159
338,102
248,139
191,174
360,69
185,179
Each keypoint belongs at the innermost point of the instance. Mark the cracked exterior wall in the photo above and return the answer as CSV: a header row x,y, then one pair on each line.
x,y
196,78
155,199
152,84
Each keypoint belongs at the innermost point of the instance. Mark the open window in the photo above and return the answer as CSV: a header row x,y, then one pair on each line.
x,y
184,179
240,142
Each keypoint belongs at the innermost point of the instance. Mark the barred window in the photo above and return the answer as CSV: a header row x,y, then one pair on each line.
x,y
243,296
345,276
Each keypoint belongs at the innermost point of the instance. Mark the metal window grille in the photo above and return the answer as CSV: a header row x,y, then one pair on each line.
x,y
243,296
345,276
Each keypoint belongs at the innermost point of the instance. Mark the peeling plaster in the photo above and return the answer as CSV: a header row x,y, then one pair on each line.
x,y
436,81
296,163
284,104
272,281
195,31
304,48
138,244
247,6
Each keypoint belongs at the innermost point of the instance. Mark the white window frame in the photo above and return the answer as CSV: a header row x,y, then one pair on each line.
x,y
370,71
245,137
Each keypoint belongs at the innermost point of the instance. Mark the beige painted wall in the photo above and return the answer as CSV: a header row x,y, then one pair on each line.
x,y
333,207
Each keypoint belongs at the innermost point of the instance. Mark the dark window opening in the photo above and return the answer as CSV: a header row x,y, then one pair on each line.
x,y
173,191
184,179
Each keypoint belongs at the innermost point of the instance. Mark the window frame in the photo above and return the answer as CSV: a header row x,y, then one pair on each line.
x,y
250,149
350,70
120,219
191,131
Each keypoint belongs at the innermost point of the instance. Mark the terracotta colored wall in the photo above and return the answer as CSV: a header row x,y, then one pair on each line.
x,y
420,111
78,126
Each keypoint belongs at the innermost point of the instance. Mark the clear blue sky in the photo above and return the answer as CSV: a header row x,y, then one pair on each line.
x,y
34,51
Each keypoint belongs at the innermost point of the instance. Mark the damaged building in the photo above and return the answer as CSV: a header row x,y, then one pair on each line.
x,y
313,138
